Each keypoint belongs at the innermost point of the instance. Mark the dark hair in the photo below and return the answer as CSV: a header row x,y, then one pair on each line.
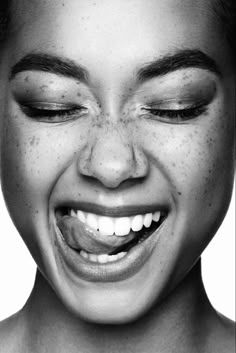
x,y
4,18
225,10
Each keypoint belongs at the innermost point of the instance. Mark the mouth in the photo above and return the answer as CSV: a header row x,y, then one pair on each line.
x,y
100,239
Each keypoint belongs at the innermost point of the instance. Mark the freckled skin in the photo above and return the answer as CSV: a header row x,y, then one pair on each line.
x,y
117,155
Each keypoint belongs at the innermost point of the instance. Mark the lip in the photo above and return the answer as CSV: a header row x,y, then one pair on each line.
x,y
115,271
118,211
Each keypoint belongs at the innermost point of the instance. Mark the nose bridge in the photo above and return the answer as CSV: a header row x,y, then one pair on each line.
x,y
112,157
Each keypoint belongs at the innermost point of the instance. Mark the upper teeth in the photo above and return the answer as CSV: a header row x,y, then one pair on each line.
x,y
119,226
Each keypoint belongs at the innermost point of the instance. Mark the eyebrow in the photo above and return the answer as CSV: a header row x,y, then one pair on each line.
x,y
64,67
52,64
181,60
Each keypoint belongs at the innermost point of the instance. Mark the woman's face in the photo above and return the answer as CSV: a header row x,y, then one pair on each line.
x,y
117,109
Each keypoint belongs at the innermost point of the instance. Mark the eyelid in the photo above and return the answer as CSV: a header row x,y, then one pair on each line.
x,y
175,115
40,105
175,104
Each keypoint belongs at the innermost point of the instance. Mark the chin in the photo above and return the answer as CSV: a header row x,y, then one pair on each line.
x,y
105,315
108,307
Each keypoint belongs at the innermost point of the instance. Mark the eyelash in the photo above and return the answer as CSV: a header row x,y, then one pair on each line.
x,y
56,115
177,114
53,115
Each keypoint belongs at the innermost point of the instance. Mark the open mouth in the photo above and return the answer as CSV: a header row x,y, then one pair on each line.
x,y
102,239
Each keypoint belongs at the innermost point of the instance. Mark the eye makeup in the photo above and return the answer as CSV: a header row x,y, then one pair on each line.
x,y
52,112
174,115
176,100
45,97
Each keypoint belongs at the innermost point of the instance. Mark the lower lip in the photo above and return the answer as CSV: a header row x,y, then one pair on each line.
x,y
118,270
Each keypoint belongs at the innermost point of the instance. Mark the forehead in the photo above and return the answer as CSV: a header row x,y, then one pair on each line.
x,y
111,31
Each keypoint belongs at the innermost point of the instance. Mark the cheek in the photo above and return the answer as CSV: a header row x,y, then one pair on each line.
x,y
210,163
197,158
23,160
33,157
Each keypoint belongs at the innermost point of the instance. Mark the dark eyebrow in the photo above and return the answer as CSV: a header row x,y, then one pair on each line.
x,y
181,60
160,67
50,63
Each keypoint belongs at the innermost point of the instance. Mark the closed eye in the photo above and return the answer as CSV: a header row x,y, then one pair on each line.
x,y
52,112
174,115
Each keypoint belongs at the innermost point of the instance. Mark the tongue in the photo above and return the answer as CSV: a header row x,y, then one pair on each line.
x,y
79,236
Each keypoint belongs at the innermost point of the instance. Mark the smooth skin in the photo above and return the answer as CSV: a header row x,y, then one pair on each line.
x,y
113,154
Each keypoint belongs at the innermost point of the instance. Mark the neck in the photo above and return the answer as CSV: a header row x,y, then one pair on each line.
x,y
173,322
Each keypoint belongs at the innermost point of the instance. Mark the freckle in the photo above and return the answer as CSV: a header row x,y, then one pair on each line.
x,y
78,94
43,86
179,193
32,142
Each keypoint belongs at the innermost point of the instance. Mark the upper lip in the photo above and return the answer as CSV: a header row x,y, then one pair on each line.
x,y
117,211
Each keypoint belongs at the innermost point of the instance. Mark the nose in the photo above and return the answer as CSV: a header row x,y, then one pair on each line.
x,y
112,159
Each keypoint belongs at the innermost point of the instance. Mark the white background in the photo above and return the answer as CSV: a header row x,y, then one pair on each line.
x,y
17,269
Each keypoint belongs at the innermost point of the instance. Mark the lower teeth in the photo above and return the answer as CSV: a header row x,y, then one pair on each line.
x,y
102,258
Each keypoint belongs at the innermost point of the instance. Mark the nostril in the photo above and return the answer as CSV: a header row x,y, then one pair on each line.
x,y
123,185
